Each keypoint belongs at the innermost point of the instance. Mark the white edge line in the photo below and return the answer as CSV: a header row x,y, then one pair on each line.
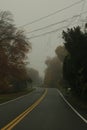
x,y
72,107
15,99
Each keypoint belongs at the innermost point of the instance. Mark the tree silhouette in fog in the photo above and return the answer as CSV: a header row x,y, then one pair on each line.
x,y
75,63
13,49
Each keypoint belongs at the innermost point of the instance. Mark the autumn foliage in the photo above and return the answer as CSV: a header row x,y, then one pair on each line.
x,y
13,51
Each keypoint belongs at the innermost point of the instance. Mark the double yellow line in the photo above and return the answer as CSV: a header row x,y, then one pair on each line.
x,y
24,114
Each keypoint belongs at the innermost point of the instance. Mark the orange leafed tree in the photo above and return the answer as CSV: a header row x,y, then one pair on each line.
x,y
14,47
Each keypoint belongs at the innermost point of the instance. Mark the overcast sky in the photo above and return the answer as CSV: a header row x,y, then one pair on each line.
x,y
25,11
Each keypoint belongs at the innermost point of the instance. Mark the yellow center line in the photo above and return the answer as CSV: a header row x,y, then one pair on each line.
x,y
15,121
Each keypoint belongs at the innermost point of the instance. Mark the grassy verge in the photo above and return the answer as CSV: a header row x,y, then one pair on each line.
x,y
76,102
11,96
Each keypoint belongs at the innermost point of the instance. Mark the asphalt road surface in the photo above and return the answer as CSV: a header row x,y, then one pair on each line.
x,y
40,110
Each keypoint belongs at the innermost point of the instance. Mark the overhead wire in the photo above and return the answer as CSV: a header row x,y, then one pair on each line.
x,y
84,1
51,14
45,27
79,20
47,32
59,22
52,25
55,30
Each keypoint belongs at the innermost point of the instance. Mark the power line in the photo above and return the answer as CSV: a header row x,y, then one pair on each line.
x,y
32,37
84,1
51,14
63,21
56,30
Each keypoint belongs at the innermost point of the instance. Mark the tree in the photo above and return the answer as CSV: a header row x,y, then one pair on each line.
x,y
13,49
53,72
61,53
34,75
75,63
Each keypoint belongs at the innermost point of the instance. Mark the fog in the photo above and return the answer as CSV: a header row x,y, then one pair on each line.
x,y
26,11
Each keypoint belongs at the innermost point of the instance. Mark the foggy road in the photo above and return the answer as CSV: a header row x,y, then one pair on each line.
x,y
40,110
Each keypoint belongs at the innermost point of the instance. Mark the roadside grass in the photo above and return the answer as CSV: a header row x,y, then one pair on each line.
x,y
11,96
76,102
79,104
